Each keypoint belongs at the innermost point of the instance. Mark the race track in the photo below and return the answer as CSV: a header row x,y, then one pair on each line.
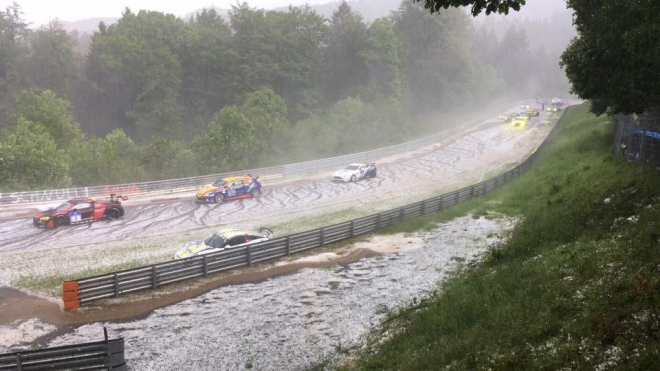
x,y
467,158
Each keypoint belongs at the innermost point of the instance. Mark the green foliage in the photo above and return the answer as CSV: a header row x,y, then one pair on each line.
x,y
478,6
268,113
13,35
51,112
345,69
29,157
137,57
52,64
615,59
436,54
167,159
230,143
381,57
574,287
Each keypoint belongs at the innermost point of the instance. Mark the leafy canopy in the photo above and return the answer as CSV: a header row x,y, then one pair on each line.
x,y
489,6
615,60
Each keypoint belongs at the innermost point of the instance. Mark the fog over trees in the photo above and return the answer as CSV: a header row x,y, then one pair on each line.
x,y
157,96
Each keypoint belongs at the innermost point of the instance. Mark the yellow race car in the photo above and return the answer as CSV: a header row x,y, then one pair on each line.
x,y
520,121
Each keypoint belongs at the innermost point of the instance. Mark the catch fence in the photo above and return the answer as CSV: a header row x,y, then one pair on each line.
x,y
102,355
113,285
637,138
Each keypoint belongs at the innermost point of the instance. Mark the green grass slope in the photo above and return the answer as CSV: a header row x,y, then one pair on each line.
x,y
576,286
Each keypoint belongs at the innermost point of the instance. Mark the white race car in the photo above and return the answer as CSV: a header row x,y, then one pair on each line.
x,y
355,172
223,240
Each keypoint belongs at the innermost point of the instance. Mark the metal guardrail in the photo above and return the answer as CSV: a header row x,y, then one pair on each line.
x,y
113,285
102,355
275,172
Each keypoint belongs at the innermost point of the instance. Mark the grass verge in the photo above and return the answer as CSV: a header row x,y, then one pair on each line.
x,y
577,285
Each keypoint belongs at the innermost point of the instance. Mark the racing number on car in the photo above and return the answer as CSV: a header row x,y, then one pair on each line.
x,y
231,193
74,216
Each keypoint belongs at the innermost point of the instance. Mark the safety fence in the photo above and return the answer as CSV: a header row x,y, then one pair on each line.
x,y
113,285
102,355
275,172
637,137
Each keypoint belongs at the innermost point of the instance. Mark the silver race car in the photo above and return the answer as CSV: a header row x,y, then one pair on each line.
x,y
355,172
223,240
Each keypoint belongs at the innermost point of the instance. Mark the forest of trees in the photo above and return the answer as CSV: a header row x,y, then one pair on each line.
x,y
158,96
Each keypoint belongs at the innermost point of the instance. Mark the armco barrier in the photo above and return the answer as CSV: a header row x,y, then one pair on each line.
x,y
113,285
275,172
102,355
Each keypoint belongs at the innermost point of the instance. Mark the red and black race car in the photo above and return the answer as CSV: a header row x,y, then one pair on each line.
x,y
80,210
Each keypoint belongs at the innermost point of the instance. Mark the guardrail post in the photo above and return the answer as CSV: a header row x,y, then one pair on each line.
x,y
378,221
116,285
472,191
288,246
423,207
458,194
442,201
352,228
249,256
402,213
154,276
206,266
19,363
322,236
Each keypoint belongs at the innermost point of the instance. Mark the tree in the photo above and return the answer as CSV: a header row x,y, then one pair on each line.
x,y
167,158
489,6
268,113
345,69
436,55
52,63
30,159
205,56
615,60
137,74
52,113
14,33
230,143
381,56
281,50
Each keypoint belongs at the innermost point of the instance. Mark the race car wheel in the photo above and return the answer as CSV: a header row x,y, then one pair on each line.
x,y
60,221
219,197
112,214
255,193
353,178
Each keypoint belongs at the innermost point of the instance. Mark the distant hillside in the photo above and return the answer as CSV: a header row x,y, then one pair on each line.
x,y
87,25
370,9
224,13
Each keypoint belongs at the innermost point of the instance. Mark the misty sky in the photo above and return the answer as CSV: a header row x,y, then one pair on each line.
x,y
41,11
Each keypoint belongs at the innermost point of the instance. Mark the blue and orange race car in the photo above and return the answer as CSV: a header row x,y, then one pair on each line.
x,y
231,188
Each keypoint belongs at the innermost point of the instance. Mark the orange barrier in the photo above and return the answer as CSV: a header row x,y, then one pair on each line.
x,y
70,294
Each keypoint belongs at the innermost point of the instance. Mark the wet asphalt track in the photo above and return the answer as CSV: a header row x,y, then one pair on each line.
x,y
471,155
